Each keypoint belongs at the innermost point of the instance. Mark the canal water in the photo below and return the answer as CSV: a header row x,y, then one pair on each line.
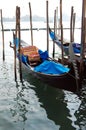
x,y
35,105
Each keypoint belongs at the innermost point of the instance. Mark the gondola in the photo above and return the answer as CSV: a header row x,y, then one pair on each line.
x,y
57,40
40,65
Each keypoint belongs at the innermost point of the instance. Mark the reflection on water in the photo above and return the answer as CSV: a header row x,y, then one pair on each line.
x,y
81,113
73,105
28,110
20,107
61,106
35,105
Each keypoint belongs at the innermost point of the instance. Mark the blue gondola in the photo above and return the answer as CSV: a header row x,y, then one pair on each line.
x,y
46,69
76,46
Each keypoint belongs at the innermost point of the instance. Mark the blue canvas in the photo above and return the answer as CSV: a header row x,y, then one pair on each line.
x,y
50,67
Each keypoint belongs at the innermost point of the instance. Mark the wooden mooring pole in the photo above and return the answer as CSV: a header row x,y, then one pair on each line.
x,y
61,25
31,24
83,39
3,52
15,73
14,47
71,51
19,37
47,21
54,33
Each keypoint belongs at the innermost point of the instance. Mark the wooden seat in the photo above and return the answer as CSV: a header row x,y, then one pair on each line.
x,y
32,53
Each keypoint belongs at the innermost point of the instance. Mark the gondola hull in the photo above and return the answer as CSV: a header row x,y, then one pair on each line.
x,y
64,81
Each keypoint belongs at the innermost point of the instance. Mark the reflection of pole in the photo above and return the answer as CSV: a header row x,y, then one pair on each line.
x,y
47,20
20,106
2,35
31,23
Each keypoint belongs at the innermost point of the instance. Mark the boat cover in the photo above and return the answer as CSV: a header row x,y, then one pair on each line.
x,y
51,67
43,55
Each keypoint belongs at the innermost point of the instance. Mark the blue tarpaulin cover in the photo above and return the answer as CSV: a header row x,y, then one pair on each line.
x,y
43,55
50,67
